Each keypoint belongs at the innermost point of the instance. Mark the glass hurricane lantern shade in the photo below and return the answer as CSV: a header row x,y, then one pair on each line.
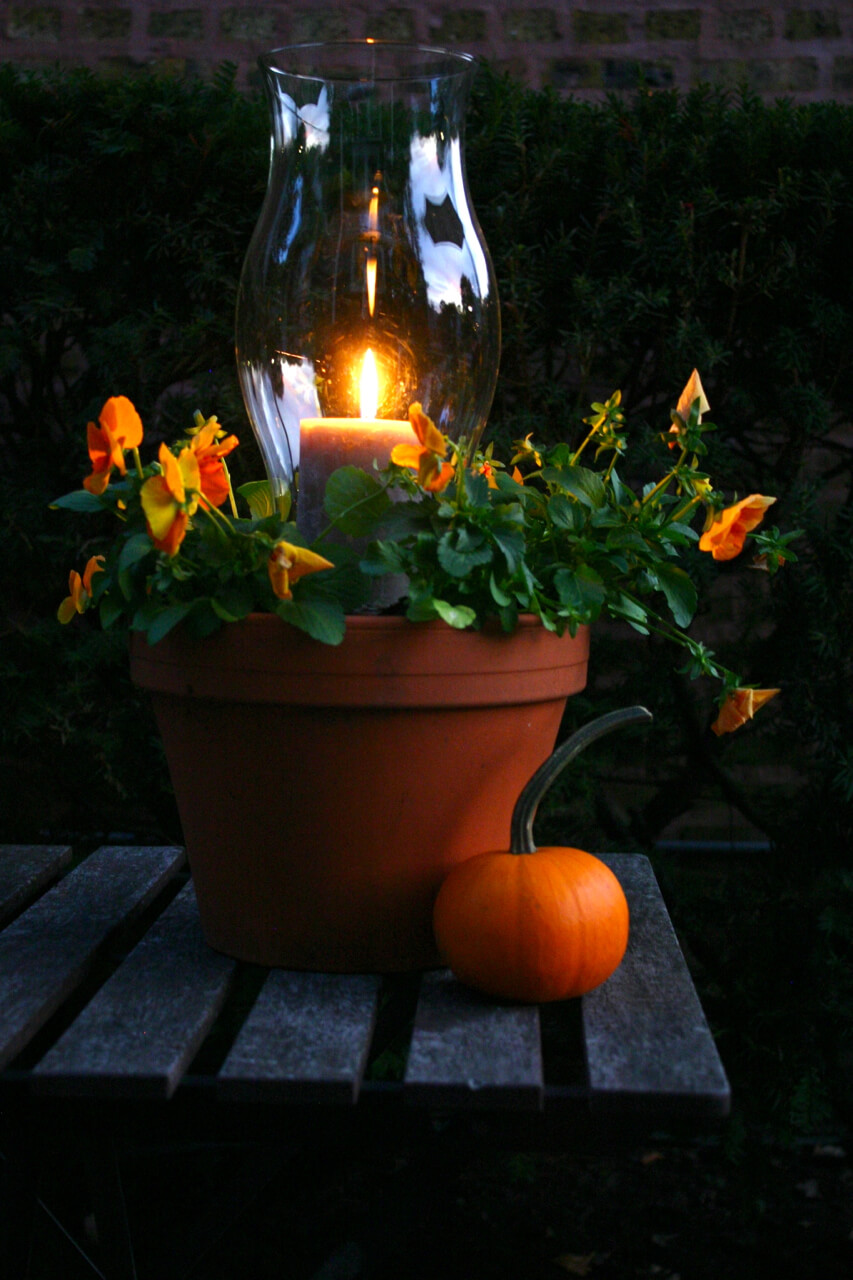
x,y
367,285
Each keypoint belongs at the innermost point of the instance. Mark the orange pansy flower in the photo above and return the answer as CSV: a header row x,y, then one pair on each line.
x,y
209,452
740,706
288,563
426,457
120,428
726,536
80,590
693,391
488,470
169,500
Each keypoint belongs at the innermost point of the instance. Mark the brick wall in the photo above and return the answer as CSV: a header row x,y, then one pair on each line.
x,y
583,47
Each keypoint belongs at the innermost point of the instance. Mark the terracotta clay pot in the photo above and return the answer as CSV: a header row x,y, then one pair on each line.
x,y
325,792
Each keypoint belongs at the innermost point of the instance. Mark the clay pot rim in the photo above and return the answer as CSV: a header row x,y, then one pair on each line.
x,y
389,662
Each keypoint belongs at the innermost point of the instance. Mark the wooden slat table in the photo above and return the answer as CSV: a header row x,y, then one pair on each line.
x,y
109,998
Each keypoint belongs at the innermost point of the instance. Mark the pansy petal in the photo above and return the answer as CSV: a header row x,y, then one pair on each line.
x,y
288,563
67,610
94,565
213,480
208,439
172,474
121,420
190,475
97,482
740,706
441,478
428,469
693,391
100,453
174,535
98,445
725,537
302,559
407,455
159,506
426,431
752,510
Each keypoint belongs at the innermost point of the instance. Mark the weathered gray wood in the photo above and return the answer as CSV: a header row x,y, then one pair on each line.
x,y
306,1038
470,1051
646,1037
24,870
47,950
139,1034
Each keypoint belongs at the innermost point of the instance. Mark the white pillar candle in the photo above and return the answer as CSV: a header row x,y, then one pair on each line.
x,y
328,443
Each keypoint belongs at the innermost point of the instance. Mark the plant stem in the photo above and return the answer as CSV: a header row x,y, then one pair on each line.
x,y
662,484
581,447
224,524
230,489
683,510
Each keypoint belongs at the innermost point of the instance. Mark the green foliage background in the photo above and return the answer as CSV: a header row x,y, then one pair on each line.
x,y
632,241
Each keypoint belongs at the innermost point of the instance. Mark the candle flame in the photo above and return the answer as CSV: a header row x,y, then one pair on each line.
x,y
369,386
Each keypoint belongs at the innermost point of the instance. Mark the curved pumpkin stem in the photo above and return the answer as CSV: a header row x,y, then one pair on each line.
x,y
524,813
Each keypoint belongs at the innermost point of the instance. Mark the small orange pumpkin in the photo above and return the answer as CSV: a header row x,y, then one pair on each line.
x,y
532,924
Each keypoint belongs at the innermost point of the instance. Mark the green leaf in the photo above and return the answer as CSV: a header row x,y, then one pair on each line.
x,y
455,615
167,620
564,513
622,495
460,552
257,494
509,617
135,549
346,587
512,545
354,501
476,488
581,591
383,557
628,538
125,583
680,535
679,591
499,596
234,600
324,620
585,485
507,485
80,500
421,609
109,611
633,612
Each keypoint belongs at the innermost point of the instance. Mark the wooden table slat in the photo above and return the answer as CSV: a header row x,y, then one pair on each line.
x,y
46,951
306,1038
469,1051
139,1034
24,870
645,1033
